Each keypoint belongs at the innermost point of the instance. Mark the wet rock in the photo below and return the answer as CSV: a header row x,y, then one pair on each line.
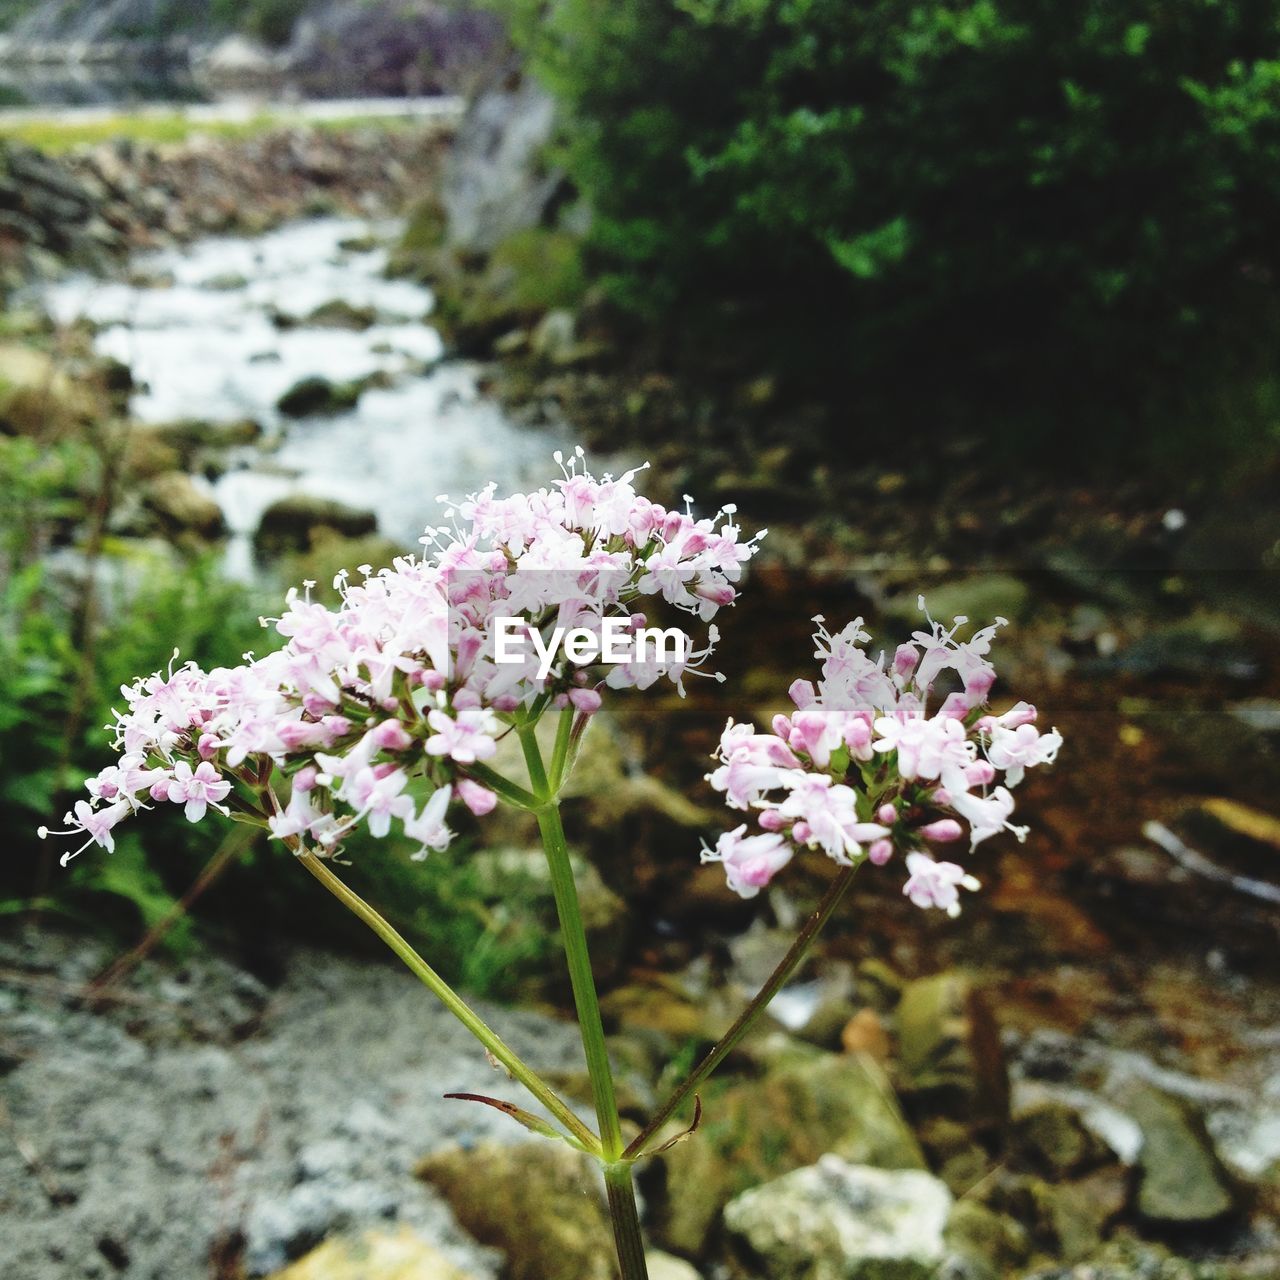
x,y
340,314
146,453
227,282
36,397
293,523
839,1221
315,396
182,507
400,1255
949,1048
541,1203
1181,1182
194,438
803,1107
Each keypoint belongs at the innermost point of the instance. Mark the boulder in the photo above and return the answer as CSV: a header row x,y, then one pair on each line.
x,y
541,1203
181,506
36,397
805,1106
377,1255
292,524
840,1221
315,396
496,181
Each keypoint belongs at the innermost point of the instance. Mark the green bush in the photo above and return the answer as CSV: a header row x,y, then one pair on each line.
x,y
1030,204
271,21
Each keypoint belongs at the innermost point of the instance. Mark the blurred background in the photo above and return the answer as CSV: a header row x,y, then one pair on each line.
x,y
973,298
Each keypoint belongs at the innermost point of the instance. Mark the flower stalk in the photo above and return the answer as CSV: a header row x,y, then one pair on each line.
x,y
494,1043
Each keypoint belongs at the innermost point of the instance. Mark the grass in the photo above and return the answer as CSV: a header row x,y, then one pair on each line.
x,y
56,136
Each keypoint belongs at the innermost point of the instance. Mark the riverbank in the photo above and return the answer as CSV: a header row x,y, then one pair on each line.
x,y
93,204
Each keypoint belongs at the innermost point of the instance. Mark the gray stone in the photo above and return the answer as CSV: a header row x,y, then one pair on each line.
x,y
495,182
839,1221
1181,1182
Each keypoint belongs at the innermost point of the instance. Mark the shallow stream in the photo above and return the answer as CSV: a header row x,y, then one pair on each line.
x,y
219,330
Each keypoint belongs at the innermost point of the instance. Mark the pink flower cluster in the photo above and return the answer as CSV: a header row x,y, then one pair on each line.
x,y
385,708
863,767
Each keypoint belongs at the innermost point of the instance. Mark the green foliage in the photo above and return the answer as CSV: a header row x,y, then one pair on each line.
x,y
1039,204
485,928
271,21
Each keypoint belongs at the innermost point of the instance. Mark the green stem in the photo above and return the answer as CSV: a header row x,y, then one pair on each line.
x,y
574,937
504,787
626,1221
622,1202
452,1001
560,753
759,1002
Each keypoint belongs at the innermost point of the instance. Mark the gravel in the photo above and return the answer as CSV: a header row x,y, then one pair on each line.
x,y
207,1121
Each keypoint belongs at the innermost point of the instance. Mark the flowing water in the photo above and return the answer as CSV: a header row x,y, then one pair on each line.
x,y
218,331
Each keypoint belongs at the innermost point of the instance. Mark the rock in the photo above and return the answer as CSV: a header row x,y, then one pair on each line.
x,y
979,598
664,1266
1181,1182
949,1048
495,182
840,1221
337,313
400,1255
227,282
1202,645
292,524
191,436
541,1203
1260,714
1054,1141
804,1107
315,395
1131,1259
180,505
976,1231
146,453
286,1227
36,397
554,335
954,1155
